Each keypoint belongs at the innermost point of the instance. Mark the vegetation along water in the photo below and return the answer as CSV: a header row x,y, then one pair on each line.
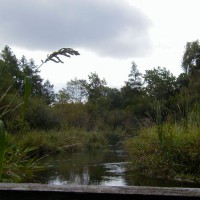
x,y
154,117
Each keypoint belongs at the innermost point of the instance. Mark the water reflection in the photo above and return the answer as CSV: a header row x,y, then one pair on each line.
x,y
96,168
108,168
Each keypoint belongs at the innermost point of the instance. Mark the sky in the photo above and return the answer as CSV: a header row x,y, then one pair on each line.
x,y
108,34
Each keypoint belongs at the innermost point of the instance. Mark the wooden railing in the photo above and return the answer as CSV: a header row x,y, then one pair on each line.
x,y
69,192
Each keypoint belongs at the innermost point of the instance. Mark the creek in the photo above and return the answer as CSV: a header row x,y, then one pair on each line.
x,y
107,168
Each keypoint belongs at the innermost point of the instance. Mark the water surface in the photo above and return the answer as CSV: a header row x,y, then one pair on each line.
x,y
107,168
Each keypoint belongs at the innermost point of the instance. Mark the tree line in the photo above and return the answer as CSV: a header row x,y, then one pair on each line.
x,y
93,105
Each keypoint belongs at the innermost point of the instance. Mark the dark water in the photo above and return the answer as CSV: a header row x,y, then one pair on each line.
x,y
108,168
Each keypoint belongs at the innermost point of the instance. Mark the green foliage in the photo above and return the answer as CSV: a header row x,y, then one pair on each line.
x,y
135,78
17,126
41,116
89,114
21,164
191,57
161,84
56,141
95,88
71,115
11,68
74,92
48,93
191,67
179,153
159,124
27,92
2,146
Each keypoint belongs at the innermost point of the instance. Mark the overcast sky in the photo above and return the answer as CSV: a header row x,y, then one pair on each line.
x,y
109,34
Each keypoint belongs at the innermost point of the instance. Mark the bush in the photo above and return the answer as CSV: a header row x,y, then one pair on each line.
x,y
41,116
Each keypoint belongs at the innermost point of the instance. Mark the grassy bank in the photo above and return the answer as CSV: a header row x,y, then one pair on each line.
x,y
24,151
167,151
55,141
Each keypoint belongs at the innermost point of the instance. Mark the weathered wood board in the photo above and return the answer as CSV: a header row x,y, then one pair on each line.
x,y
9,191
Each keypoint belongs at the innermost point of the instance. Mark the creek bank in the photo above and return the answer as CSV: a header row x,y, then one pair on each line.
x,y
170,151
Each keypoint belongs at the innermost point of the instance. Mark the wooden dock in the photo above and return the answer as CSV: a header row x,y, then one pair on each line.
x,y
9,191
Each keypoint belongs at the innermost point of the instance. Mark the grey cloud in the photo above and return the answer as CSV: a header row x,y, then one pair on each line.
x,y
106,27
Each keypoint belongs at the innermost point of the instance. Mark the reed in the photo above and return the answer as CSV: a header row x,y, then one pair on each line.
x,y
179,156
27,92
2,146
27,86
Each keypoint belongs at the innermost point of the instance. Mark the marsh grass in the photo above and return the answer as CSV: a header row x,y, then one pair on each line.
x,y
179,157
21,164
2,146
24,151
56,141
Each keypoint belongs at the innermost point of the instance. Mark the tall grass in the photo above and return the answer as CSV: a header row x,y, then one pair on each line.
x,y
27,86
27,92
179,157
2,146
20,164
56,141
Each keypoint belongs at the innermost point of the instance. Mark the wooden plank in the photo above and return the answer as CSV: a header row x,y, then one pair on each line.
x,y
10,191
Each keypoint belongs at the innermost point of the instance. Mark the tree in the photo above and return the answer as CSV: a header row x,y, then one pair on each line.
x,y
40,115
6,79
113,98
191,67
15,76
30,69
191,58
135,77
160,83
48,92
161,88
62,96
95,88
11,66
10,84
76,90
133,93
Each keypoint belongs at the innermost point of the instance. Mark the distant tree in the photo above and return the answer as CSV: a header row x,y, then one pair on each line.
x,y
191,58
160,83
113,98
95,88
182,82
135,77
6,79
191,66
133,94
48,92
76,90
11,66
62,96
161,88
13,73
30,69
10,84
